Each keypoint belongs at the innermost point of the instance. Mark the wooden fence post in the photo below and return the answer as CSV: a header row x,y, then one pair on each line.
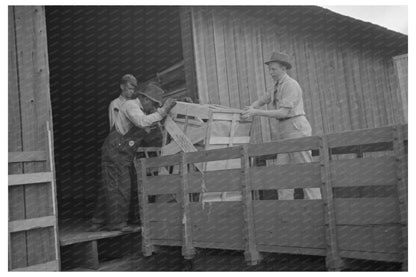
x,y
401,159
252,256
333,260
147,246
188,251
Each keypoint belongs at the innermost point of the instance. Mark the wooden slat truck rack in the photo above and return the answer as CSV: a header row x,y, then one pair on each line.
x,y
371,227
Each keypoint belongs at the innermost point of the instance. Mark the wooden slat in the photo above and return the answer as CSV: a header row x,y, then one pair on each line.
x,y
291,250
194,135
190,109
219,222
252,256
333,260
188,250
364,148
364,172
360,211
229,245
180,138
141,169
227,140
220,180
214,155
189,121
164,211
53,196
219,165
163,161
79,235
29,156
286,176
232,134
48,266
291,234
284,146
162,184
275,212
33,223
367,136
370,238
30,178
374,256
227,116
166,230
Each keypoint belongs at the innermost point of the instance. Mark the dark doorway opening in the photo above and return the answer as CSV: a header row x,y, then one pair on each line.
x,y
90,48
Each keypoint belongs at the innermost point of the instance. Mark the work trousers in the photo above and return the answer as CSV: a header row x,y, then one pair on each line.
x,y
117,172
295,127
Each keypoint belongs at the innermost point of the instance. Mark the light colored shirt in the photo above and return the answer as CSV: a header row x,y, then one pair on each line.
x,y
131,114
114,110
286,94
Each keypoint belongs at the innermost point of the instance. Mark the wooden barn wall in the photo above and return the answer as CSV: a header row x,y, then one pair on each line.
x,y
28,111
345,87
401,70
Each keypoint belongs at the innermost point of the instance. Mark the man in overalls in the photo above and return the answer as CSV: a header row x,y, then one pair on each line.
x,y
287,101
132,123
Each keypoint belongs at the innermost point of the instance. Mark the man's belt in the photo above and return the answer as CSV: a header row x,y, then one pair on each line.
x,y
286,118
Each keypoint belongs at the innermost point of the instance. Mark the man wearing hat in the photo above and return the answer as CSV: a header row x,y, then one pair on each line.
x,y
132,124
287,102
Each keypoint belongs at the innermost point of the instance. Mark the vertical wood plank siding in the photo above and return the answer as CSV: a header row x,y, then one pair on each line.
x,y
401,70
29,110
345,86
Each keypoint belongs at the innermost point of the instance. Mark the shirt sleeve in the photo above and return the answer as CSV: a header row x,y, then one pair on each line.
x,y
138,117
111,114
291,93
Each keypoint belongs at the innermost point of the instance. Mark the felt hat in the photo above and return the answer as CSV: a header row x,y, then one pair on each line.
x,y
280,57
153,92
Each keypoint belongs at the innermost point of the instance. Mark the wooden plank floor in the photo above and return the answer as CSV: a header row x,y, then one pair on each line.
x,y
73,231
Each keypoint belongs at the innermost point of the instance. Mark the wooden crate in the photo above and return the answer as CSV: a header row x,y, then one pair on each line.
x,y
363,227
195,127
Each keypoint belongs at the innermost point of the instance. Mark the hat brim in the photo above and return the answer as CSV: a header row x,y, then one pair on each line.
x,y
288,65
151,98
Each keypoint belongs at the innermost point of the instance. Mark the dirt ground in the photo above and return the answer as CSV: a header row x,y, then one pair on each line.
x,y
170,259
